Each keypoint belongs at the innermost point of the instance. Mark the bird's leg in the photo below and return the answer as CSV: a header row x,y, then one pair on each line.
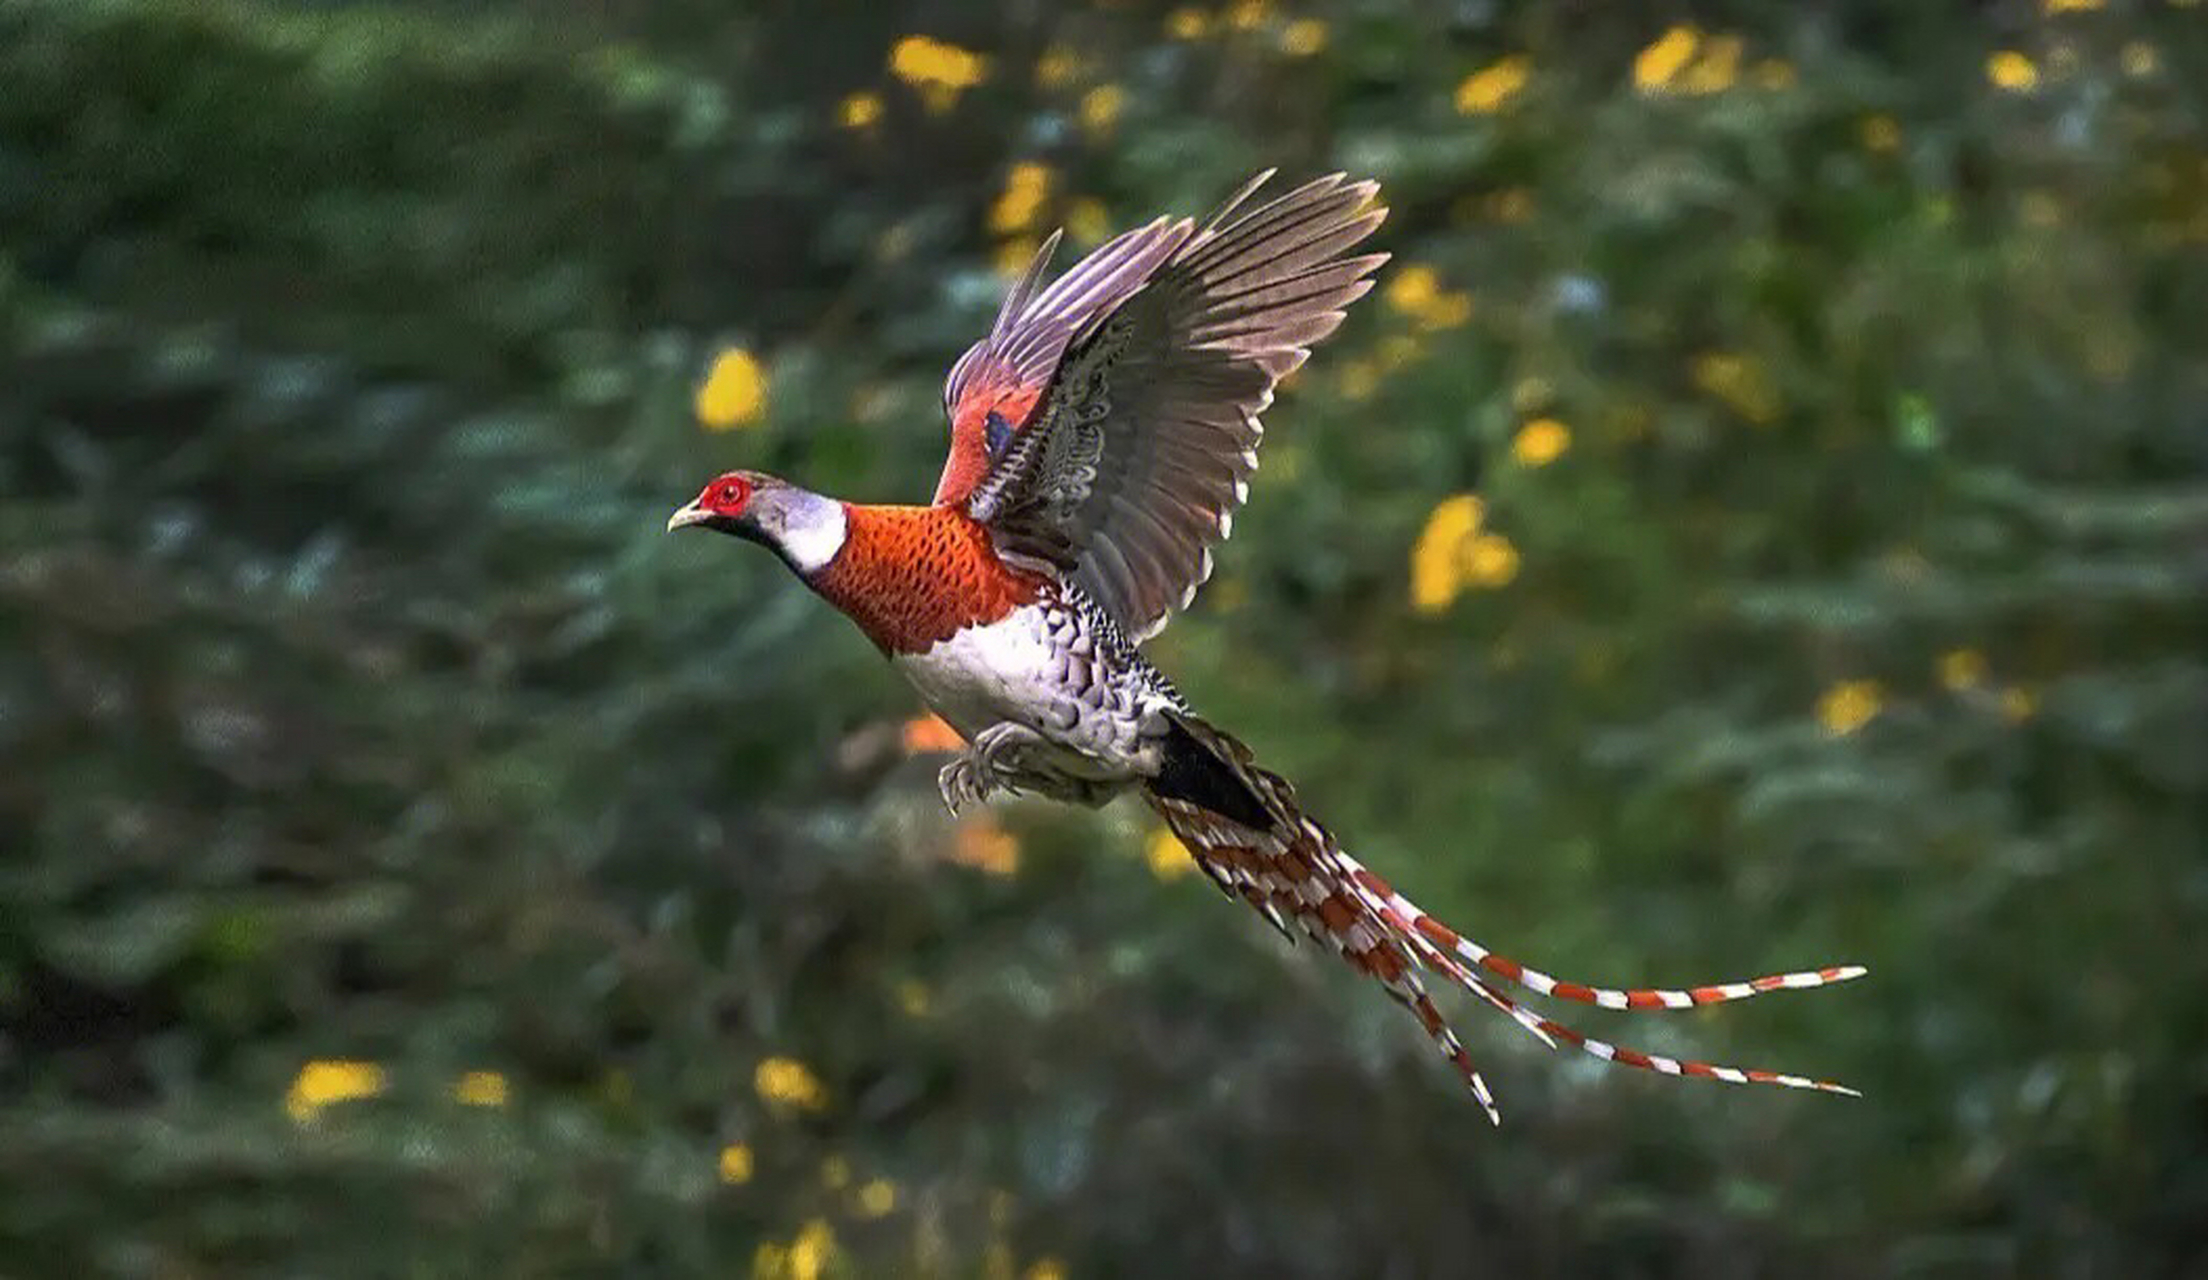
x,y
989,765
1005,737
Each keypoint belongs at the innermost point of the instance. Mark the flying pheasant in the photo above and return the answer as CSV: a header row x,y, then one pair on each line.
x,y
1102,436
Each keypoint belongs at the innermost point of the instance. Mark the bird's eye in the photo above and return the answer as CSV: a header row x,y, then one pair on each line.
x,y
996,433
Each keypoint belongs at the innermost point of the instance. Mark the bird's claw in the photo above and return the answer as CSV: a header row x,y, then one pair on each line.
x,y
963,781
983,769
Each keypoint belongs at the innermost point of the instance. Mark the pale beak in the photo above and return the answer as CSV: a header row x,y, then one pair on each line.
x,y
692,514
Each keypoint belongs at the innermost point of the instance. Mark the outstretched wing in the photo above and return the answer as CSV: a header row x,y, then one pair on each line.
x,y
1122,460
1006,373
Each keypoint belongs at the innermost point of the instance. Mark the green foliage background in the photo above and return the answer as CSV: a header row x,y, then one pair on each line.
x,y
353,707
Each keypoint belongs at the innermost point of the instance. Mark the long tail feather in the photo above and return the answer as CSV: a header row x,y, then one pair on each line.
x,y
1626,1056
1434,931
1549,1031
1288,867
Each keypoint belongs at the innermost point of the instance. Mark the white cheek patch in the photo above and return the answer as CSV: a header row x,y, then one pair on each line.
x,y
814,535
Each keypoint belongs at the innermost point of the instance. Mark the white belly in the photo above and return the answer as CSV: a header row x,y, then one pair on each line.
x,y
1007,670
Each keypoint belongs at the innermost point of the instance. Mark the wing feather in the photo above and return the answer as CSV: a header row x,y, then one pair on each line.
x,y
1151,362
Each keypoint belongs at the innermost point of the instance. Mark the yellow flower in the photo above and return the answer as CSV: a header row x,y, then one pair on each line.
x,y
940,70
788,1083
2073,6
1416,292
325,1081
1492,87
983,845
1414,287
1962,669
1020,204
1449,310
1437,559
1014,255
1848,706
1658,64
1880,133
1057,67
2018,704
2012,71
1303,37
1168,859
1740,382
835,1173
1249,15
1100,107
2140,59
1046,1269
1716,69
735,1164
1490,561
811,1251
860,110
1187,23
913,997
1683,60
734,393
1087,220
1541,442
877,1198
922,60
481,1089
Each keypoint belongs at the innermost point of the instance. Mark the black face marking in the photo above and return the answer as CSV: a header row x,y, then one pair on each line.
x,y
996,434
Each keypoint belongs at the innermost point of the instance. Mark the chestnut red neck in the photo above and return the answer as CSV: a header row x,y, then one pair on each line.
x,y
912,577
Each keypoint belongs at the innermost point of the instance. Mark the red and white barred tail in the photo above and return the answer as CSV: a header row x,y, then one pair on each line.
x,y
1290,868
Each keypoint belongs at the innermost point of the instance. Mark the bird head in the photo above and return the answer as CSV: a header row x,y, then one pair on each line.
x,y
803,527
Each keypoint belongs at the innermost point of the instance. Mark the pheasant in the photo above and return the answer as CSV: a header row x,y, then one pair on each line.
x,y
1102,436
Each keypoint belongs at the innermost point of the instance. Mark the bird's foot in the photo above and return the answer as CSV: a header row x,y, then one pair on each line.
x,y
990,765
961,783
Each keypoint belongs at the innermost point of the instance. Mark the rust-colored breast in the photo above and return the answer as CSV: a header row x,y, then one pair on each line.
x,y
913,576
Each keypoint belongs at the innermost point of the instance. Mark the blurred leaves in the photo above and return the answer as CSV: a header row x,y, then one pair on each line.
x,y
1759,523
